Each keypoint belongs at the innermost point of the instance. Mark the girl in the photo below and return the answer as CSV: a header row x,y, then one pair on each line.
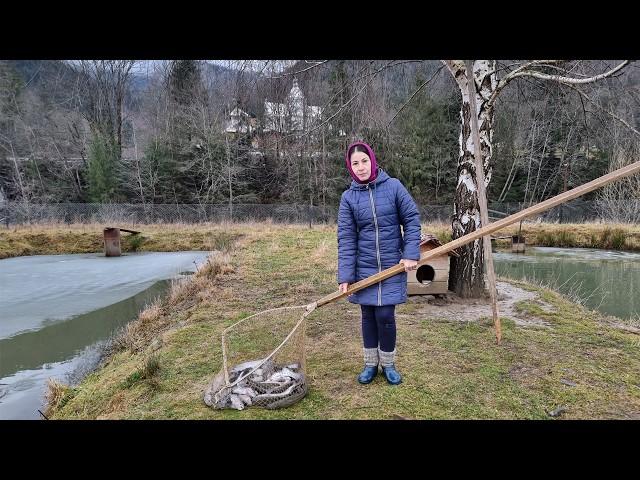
x,y
369,241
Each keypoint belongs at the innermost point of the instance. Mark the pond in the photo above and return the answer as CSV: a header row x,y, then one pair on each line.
x,y
604,280
56,310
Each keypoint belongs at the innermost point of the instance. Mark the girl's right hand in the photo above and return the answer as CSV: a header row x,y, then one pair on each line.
x,y
343,287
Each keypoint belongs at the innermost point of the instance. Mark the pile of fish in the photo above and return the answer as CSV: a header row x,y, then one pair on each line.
x,y
269,386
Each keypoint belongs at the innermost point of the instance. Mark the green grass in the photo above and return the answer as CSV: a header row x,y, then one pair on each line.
x,y
451,369
613,238
563,238
134,242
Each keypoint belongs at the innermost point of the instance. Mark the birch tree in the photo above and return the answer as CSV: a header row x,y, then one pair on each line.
x,y
466,276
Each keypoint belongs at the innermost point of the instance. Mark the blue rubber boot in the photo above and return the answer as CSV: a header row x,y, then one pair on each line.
x,y
387,361
368,374
392,375
370,366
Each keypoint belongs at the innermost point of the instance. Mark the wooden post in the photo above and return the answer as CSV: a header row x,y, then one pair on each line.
x,y
482,199
112,242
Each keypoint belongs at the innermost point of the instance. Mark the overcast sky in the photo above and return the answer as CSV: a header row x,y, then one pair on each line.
x,y
274,66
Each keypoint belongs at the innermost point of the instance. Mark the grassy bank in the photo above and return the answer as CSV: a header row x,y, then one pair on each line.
x,y
577,363
580,235
87,238
79,238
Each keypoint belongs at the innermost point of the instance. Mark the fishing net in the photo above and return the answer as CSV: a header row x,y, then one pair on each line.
x,y
263,361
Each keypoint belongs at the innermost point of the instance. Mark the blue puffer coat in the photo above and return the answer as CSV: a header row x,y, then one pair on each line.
x,y
370,240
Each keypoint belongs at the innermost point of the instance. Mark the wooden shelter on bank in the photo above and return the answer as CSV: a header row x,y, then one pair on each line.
x,y
432,278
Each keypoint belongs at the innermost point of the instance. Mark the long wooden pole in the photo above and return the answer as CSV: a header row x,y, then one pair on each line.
x,y
486,230
482,201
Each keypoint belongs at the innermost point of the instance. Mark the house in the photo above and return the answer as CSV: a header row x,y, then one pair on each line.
x,y
431,278
293,115
240,122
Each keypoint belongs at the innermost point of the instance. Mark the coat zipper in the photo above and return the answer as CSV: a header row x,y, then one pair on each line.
x,y
375,221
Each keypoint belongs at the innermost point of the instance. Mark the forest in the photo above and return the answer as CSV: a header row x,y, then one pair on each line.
x,y
272,132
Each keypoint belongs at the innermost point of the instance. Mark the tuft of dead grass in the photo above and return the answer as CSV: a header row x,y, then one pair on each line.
x,y
56,395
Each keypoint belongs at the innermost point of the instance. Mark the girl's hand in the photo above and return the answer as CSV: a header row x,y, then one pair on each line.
x,y
409,264
343,287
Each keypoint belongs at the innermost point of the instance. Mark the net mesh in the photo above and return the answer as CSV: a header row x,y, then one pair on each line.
x,y
263,361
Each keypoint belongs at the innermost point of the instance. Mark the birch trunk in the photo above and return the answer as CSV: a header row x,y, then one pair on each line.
x,y
466,277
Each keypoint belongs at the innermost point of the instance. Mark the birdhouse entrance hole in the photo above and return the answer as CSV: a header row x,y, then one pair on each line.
x,y
425,274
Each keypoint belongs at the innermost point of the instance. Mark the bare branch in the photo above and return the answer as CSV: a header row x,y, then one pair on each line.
x,y
390,64
570,80
414,94
613,115
300,71
524,72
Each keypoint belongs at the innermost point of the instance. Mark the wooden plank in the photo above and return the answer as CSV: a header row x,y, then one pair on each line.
x,y
121,229
482,199
433,288
481,232
438,263
440,274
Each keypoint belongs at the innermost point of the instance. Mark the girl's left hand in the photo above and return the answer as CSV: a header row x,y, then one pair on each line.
x,y
409,264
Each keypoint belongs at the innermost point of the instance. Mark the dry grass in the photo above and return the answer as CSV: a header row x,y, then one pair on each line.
x,y
184,293
88,238
451,369
56,395
615,236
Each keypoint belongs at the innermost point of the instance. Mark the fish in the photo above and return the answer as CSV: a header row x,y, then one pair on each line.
x,y
265,387
266,396
236,402
289,373
269,386
246,366
284,375
268,368
211,396
245,391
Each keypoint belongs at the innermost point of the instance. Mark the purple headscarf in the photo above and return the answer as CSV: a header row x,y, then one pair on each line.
x,y
372,157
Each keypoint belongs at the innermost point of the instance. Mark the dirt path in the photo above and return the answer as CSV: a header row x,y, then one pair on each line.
x,y
471,310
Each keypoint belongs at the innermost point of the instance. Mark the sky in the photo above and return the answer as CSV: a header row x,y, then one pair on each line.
x,y
274,66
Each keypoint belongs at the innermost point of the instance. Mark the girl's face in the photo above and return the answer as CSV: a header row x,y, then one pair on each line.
x,y
361,165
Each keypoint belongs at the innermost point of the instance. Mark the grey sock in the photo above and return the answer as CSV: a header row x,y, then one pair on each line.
x,y
370,357
387,358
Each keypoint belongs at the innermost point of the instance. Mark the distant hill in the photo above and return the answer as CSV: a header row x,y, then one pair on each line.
x,y
53,80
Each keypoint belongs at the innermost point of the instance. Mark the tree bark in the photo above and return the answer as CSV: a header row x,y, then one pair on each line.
x,y
466,277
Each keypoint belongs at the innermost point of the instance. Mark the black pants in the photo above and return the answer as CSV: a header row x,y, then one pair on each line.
x,y
379,327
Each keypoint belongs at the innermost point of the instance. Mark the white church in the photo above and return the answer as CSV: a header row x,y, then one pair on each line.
x,y
294,115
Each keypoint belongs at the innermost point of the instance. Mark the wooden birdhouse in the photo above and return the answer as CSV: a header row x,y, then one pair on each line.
x,y
432,278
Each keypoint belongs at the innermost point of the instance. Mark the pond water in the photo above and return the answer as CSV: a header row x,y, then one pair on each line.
x,y
605,280
57,310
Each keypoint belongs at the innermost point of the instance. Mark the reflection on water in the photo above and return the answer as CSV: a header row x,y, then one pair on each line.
x,y
61,340
56,311
608,281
